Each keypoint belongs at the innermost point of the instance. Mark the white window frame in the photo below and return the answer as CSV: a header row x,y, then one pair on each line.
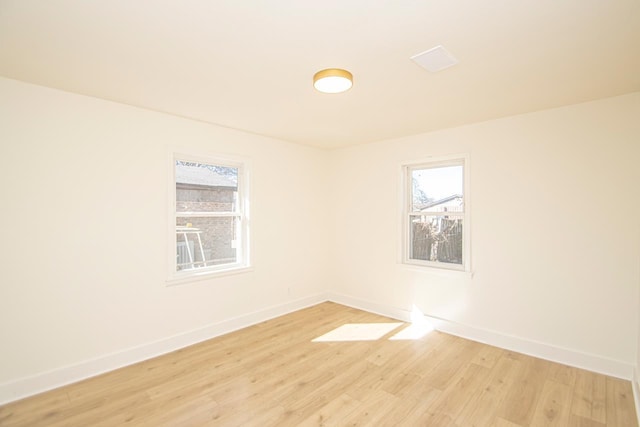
x,y
243,261
406,200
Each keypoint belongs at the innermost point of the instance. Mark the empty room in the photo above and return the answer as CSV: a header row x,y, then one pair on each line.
x,y
338,213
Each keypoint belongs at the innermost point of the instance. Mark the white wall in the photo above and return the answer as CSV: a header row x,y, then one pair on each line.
x,y
555,248
84,190
554,210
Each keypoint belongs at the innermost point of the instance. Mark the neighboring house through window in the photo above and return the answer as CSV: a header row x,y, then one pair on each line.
x,y
435,215
210,214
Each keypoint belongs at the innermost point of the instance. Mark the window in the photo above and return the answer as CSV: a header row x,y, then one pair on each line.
x,y
210,216
435,217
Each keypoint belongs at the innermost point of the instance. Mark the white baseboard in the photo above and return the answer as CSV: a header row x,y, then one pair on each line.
x,y
565,356
39,383
371,307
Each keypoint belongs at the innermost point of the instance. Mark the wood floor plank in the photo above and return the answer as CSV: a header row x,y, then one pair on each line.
x,y
483,411
620,404
578,421
413,410
338,385
589,396
488,356
448,362
554,405
200,410
452,402
42,408
562,373
372,409
333,412
277,373
521,400
501,422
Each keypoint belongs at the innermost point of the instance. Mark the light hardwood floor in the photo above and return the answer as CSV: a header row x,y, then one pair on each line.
x,y
275,374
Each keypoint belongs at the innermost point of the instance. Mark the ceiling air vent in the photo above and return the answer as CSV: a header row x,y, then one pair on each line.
x,y
435,59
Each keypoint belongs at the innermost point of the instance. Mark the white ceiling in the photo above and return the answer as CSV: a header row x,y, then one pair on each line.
x,y
248,64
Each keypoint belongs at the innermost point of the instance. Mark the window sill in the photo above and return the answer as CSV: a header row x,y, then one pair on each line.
x,y
180,279
438,271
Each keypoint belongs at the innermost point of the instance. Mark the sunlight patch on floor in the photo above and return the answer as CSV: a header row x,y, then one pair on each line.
x,y
418,328
358,332
414,331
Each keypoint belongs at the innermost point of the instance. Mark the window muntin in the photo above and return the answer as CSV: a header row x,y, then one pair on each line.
x,y
435,215
210,216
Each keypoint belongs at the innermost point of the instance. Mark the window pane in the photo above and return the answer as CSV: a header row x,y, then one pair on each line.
x,y
205,188
203,242
437,189
436,238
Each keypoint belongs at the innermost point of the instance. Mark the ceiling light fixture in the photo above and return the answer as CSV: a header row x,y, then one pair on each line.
x,y
333,80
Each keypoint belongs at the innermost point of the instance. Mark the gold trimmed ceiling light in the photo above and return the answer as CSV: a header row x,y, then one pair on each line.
x,y
333,80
